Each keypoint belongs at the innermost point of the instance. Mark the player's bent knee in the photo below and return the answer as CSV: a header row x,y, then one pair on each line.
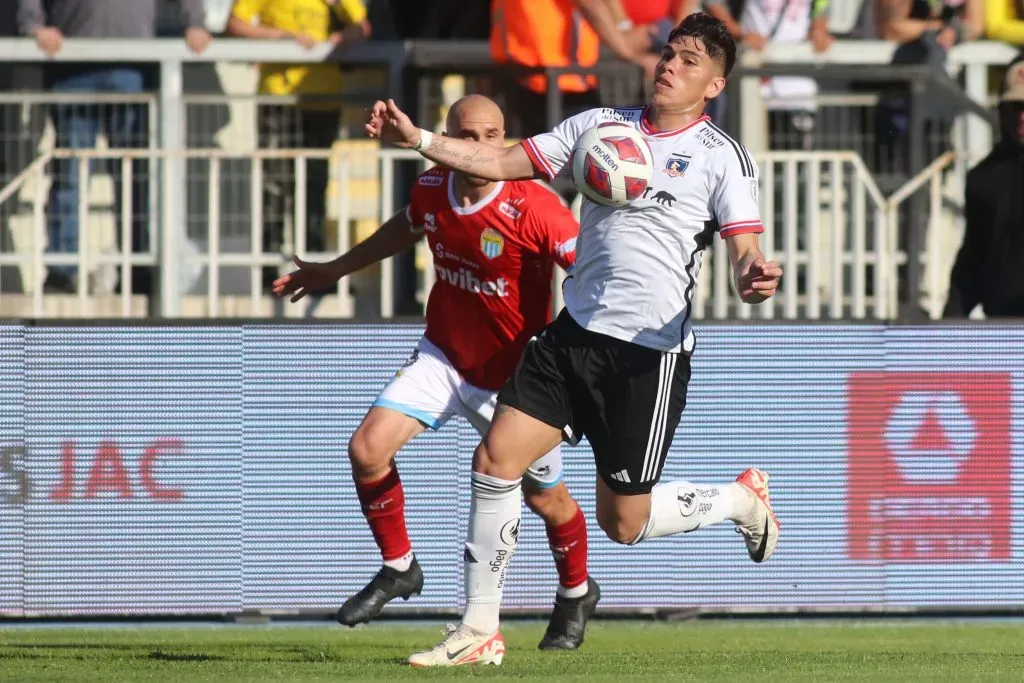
x,y
487,461
483,463
369,458
618,529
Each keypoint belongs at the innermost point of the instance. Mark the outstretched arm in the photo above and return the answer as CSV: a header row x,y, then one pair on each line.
x,y
394,237
390,124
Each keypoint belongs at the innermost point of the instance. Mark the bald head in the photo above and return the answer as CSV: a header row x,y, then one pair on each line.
x,y
475,117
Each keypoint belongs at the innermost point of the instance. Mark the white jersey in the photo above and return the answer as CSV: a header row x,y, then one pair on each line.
x,y
637,266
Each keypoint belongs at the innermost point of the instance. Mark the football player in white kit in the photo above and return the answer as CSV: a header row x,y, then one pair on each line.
x,y
615,363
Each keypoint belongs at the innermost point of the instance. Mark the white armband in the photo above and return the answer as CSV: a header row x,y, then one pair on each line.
x,y
426,137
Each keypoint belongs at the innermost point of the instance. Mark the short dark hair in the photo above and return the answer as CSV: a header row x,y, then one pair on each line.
x,y
717,40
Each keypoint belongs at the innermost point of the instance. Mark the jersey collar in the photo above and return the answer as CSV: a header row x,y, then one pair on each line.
x,y
472,208
647,129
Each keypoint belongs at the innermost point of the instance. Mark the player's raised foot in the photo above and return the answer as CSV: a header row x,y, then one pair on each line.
x,y
569,619
761,529
462,645
388,584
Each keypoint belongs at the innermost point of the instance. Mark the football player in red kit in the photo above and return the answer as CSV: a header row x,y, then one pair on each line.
x,y
494,246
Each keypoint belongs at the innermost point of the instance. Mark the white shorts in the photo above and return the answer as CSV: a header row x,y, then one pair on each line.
x,y
430,390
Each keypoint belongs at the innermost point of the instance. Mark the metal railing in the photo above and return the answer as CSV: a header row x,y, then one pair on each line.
x,y
214,255
827,223
400,60
941,237
911,150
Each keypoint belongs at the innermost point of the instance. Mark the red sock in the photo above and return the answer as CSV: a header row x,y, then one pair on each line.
x,y
569,546
383,504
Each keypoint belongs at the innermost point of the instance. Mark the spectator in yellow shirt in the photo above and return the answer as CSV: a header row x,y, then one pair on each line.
x,y
1004,20
313,122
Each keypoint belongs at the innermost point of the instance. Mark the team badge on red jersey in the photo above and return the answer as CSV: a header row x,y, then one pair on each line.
x,y
491,243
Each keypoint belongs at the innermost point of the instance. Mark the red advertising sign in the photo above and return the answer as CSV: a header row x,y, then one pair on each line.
x,y
929,466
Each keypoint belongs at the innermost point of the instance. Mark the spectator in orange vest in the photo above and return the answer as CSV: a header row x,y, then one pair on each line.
x,y
556,33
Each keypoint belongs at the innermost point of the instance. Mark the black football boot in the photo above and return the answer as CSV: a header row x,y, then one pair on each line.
x,y
387,585
569,619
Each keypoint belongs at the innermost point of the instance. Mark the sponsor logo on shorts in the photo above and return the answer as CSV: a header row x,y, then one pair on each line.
x,y
622,475
412,359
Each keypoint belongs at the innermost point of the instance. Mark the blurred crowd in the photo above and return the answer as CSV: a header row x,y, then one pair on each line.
x,y
532,33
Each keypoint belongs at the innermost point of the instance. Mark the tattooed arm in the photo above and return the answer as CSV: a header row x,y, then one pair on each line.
x,y
388,123
483,161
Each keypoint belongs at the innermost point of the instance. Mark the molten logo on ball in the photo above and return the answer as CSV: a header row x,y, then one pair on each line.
x,y
605,157
611,164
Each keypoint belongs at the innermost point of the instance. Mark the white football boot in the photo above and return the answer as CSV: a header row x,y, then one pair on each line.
x,y
761,529
462,645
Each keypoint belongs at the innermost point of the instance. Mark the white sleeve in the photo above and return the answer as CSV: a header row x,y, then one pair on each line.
x,y
549,152
734,201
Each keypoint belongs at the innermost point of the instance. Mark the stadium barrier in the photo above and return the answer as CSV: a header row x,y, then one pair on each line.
x,y
829,225
168,470
412,63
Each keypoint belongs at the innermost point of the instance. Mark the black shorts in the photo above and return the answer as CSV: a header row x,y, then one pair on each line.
x,y
625,398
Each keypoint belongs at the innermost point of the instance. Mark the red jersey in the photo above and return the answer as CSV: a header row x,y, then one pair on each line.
x,y
493,263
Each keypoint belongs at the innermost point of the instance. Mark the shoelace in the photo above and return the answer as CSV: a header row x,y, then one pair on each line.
x,y
451,631
743,532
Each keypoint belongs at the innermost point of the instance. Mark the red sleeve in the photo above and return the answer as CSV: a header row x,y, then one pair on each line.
x,y
549,227
414,212
426,191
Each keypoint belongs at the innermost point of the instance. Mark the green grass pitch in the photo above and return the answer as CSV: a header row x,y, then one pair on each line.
x,y
731,652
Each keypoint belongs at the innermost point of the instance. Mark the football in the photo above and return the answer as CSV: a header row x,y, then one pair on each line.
x,y
611,164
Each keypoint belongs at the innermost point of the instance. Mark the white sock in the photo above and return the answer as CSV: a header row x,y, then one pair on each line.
x,y
574,592
402,563
493,533
681,507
